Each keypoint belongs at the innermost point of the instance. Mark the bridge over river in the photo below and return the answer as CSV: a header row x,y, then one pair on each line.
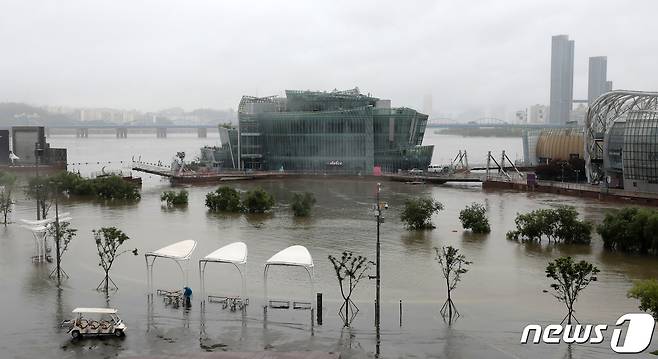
x,y
121,130
493,123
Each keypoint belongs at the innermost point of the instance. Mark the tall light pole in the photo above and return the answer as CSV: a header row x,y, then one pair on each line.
x,y
37,152
379,219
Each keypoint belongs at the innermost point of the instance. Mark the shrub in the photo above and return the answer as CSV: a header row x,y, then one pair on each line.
x,y
110,187
474,217
257,200
115,187
647,292
417,213
302,204
173,198
633,230
557,225
224,199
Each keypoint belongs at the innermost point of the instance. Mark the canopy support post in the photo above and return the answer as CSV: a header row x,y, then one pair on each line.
x,y
149,273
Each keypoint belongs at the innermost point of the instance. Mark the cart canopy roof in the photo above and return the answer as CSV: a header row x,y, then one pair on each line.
x,y
235,252
95,310
179,251
292,256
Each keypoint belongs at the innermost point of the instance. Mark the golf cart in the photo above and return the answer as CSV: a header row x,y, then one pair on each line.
x,y
95,321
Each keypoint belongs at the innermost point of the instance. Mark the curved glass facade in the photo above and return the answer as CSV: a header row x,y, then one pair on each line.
x,y
640,150
631,152
342,132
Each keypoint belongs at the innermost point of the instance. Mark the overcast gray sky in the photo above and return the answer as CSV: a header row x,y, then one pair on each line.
x,y
150,55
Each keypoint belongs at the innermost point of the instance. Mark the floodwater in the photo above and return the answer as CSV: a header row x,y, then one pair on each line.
x,y
498,297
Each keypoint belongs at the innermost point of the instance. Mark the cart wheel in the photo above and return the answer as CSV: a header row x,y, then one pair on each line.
x,y
76,334
119,333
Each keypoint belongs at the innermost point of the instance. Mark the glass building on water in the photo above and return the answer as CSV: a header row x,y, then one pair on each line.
x,y
631,152
339,132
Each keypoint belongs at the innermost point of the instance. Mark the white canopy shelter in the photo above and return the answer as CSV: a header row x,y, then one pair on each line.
x,y
293,256
179,252
63,217
39,231
234,253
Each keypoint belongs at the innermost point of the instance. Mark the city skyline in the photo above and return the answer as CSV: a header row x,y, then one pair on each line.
x,y
201,55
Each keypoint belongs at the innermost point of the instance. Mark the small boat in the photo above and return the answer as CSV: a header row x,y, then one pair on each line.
x,y
415,182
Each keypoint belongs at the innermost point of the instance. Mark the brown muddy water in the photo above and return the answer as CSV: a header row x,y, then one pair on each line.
x,y
499,295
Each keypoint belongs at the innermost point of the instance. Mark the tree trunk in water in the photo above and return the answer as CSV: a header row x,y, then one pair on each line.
x,y
347,312
107,282
449,307
59,261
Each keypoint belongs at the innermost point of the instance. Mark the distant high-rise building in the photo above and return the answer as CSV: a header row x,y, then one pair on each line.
x,y
578,114
427,105
538,114
598,83
562,52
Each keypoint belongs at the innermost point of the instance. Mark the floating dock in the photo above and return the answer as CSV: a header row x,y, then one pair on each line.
x,y
200,177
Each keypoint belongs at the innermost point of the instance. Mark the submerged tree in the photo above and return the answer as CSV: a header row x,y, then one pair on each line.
x,y
646,291
570,278
302,204
559,225
108,241
453,265
225,199
257,200
7,182
417,213
474,217
40,189
350,269
62,234
173,198
631,230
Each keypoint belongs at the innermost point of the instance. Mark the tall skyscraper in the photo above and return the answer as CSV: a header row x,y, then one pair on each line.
x,y
427,105
598,78
562,51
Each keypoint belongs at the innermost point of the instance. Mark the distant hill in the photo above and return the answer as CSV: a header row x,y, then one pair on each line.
x,y
20,114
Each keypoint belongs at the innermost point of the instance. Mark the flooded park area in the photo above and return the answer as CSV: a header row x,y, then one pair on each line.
x,y
501,294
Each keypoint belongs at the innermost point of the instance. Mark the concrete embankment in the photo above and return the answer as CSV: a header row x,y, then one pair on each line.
x,y
576,189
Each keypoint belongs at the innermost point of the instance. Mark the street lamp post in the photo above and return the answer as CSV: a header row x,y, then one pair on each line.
x,y
378,295
37,153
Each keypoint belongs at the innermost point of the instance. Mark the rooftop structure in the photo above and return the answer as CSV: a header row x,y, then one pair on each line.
x,y
340,132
